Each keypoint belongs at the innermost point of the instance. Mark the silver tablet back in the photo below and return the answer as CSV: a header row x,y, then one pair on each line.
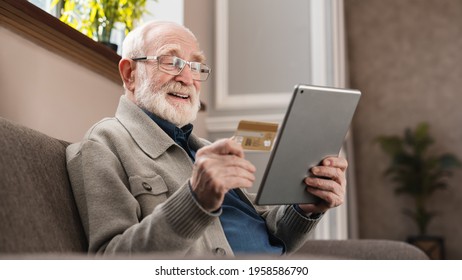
x,y
314,127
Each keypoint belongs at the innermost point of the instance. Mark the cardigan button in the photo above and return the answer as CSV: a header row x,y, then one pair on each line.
x,y
219,251
146,186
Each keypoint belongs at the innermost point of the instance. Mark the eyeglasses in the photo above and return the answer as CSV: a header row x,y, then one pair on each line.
x,y
174,65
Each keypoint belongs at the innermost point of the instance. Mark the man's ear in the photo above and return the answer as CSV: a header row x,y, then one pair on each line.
x,y
127,73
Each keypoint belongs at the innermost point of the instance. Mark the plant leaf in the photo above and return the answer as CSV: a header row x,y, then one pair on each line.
x,y
449,161
391,145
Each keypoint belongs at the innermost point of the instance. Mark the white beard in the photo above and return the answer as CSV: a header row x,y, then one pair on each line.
x,y
152,97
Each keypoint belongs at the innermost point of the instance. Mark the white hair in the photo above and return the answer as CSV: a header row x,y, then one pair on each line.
x,y
134,44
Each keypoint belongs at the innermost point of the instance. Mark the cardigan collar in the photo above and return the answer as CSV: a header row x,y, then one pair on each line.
x,y
146,133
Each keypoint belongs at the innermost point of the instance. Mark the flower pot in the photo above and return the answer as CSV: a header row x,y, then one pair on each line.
x,y
433,246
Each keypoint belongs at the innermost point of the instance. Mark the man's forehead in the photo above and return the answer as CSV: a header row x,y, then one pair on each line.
x,y
175,49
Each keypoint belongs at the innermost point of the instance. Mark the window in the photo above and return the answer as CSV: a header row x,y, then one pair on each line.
x,y
171,10
44,5
32,22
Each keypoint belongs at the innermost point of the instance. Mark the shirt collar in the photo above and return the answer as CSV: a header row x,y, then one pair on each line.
x,y
172,130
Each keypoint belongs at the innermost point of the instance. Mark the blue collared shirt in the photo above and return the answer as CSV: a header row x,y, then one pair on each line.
x,y
179,135
244,228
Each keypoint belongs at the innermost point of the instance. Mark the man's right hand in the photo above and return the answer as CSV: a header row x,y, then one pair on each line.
x,y
218,168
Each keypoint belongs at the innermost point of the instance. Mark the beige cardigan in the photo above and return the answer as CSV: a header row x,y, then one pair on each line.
x,y
131,184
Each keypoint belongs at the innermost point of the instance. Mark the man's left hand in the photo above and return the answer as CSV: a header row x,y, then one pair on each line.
x,y
328,183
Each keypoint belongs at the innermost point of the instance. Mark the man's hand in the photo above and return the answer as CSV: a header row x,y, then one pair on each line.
x,y
218,168
329,185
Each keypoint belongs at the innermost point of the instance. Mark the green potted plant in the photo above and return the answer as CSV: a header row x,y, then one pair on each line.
x,y
97,18
418,174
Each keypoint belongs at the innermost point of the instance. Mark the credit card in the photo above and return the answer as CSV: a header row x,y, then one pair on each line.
x,y
256,136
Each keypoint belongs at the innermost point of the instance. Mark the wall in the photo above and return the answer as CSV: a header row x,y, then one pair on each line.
x,y
405,55
47,92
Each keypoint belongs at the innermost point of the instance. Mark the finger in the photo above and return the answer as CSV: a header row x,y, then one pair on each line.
x,y
240,173
332,173
336,162
217,167
233,171
242,181
329,199
323,184
230,161
226,147
224,182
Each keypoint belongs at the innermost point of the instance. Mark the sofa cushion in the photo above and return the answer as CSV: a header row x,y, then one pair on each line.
x,y
37,208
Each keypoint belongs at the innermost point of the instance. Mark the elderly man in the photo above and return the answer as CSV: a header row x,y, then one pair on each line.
x,y
144,183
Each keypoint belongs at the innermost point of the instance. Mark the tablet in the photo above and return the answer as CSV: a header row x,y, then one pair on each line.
x,y
314,127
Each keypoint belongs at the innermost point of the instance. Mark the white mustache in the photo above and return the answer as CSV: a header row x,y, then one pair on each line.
x,y
178,88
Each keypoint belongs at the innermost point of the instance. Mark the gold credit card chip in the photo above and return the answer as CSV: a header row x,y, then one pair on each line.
x,y
257,136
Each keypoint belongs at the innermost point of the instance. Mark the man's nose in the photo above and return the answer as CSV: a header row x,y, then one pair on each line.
x,y
185,76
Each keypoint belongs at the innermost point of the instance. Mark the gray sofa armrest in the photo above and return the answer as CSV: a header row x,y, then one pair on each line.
x,y
361,249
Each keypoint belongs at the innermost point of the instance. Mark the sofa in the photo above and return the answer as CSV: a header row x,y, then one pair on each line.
x,y
39,218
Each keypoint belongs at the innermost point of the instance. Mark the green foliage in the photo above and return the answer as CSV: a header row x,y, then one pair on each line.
x,y
96,18
415,172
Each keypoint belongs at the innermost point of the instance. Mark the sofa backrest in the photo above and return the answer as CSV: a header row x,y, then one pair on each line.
x,y
37,209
